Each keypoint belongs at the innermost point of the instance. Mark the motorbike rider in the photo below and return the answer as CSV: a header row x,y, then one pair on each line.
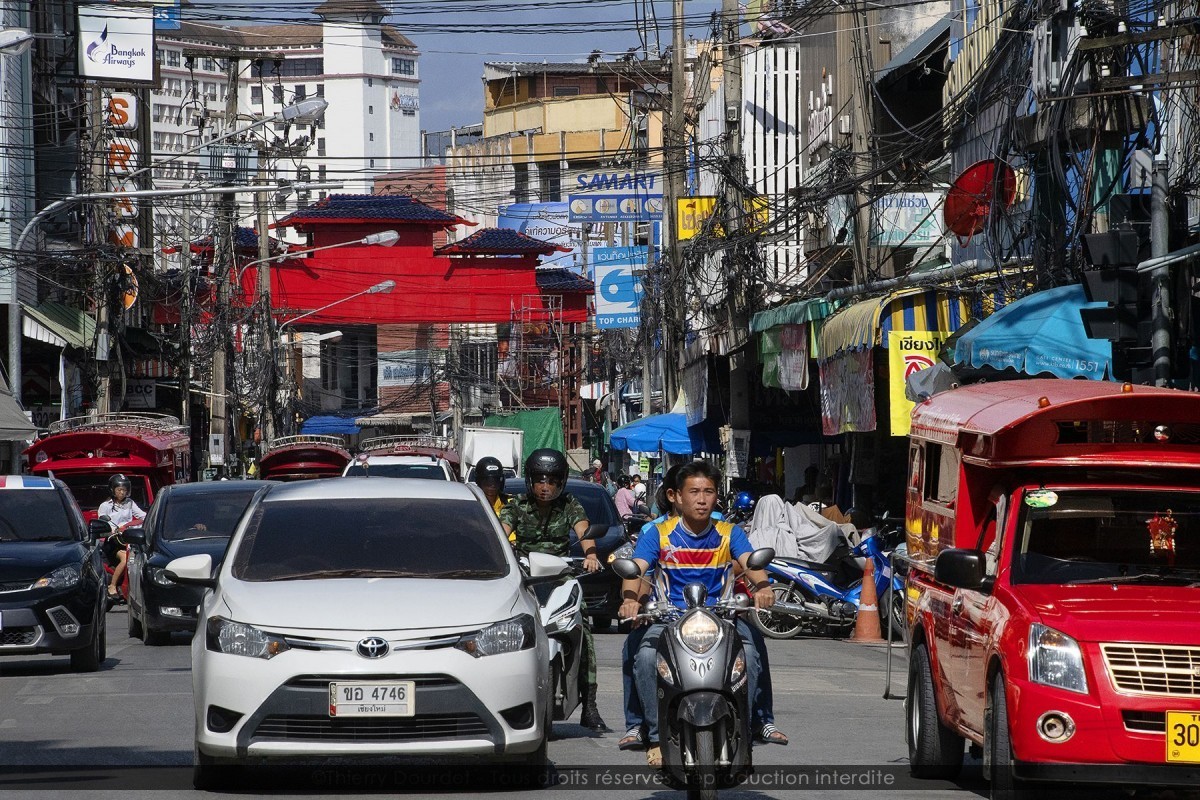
x,y
690,548
121,512
541,521
489,477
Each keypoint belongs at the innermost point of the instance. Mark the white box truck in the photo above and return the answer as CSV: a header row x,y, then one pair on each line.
x,y
506,444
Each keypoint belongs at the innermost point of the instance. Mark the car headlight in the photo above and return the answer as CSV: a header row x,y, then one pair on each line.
x,y
699,631
737,673
664,669
239,639
159,576
503,637
64,577
563,616
1055,659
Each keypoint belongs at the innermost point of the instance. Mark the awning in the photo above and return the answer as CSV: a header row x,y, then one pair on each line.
x,y
935,36
868,322
669,432
14,425
1040,333
810,310
58,325
329,425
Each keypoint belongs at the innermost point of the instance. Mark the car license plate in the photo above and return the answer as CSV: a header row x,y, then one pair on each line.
x,y
372,699
1183,737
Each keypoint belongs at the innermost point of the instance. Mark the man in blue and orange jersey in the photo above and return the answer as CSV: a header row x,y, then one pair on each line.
x,y
690,548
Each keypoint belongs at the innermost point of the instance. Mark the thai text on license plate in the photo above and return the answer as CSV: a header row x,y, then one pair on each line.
x,y
1183,737
372,699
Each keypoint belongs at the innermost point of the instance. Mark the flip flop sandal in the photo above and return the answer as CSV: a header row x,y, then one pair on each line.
x,y
769,734
632,740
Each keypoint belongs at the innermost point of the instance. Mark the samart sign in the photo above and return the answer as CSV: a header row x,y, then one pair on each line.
x,y
116,43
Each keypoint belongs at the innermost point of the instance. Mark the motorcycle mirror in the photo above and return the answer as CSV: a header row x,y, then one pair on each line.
x,y
626,568
597,530
98,528
134,536
694,594
760,558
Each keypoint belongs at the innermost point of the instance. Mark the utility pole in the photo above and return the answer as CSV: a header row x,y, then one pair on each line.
x,y
267,421
224,263
185,320
1160,277
735,291
99,238
675,164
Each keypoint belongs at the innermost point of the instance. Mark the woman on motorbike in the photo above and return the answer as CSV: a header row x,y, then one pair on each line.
x,y
120,512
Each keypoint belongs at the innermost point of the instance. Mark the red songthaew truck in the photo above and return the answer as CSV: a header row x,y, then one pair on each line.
x,y
1053,607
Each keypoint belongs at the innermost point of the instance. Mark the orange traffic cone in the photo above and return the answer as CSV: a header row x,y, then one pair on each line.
x,y
866,624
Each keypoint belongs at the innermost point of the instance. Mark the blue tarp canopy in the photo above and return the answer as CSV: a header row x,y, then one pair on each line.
x,y
329,424
669,432
1040,333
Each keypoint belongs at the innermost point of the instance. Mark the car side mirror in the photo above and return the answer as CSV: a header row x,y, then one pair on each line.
x,y
98,528
961,568
760,558
545,568
626,569
194,570
134,536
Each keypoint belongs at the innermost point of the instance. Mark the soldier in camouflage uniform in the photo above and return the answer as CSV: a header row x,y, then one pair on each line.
x,y
542,521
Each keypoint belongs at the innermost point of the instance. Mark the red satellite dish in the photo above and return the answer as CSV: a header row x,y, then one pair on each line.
x,y
971,195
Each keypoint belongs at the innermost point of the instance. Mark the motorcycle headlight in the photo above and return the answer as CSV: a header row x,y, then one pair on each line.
x,y
503,637
1055,659
664,669
699,631
64,577
239,639
563,615
159,576
737,673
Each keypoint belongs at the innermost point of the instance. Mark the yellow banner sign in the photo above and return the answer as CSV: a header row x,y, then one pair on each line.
x,y
692,214
908,352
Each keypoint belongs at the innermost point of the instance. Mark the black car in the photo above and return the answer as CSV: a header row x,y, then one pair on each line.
x,y
601,590
186,519
52,580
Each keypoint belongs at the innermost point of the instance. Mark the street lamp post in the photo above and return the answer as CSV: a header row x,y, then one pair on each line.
x,y
383,287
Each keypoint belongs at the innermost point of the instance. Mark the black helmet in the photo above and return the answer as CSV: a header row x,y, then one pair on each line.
x,y
489,471
624,481
545,462
118,480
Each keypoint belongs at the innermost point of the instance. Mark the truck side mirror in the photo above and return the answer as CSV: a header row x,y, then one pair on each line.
x,y
961,568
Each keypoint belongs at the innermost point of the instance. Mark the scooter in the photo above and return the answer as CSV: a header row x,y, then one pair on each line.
x,y
103,529
562,616
703,708
828,594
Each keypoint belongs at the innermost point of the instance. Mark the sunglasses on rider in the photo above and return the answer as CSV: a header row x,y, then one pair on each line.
x,y
553,480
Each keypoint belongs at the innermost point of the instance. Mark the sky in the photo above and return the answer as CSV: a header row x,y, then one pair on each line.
x,y
456,37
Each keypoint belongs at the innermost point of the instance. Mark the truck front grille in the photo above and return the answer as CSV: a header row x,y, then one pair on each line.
x,y
1154,669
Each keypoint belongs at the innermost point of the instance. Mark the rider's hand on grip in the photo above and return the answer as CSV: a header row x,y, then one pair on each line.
x,y
764,598
629,609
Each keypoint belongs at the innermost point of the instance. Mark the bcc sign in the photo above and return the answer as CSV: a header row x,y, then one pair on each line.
x,y
139,393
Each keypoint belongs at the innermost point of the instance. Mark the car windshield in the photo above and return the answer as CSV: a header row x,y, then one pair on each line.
x,y
431,471
1121,536
367,538
196,515
91,490
34,515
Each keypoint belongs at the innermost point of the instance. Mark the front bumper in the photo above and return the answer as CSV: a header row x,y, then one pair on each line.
x,y
48,621
170,608
490,707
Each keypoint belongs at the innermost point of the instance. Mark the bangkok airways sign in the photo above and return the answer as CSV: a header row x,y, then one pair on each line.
x,y
116,43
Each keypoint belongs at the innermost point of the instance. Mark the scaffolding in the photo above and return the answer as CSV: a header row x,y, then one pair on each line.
x,y
529,370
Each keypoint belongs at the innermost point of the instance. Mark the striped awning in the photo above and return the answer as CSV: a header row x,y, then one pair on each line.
x,y
868,322
58,325
810,310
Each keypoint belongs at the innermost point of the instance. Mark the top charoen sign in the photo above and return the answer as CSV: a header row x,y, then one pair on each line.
x,y
116,43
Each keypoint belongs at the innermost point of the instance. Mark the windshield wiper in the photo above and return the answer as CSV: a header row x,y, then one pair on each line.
x,y
1141,577
466,573
348,573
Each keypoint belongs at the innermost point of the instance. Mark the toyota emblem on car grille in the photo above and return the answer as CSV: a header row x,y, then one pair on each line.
x,y
373,647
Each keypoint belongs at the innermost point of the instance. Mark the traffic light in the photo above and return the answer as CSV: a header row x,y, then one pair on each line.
x,y
1114,282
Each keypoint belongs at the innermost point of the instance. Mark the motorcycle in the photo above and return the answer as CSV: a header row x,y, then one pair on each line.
x,y
703,708
103,528
824,597
561,612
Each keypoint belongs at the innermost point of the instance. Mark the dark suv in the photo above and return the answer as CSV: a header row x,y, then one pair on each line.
x,y
601,590
186,519
52,581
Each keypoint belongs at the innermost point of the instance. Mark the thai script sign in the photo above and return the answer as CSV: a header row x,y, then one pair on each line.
x,y
908,352
618,289
911,219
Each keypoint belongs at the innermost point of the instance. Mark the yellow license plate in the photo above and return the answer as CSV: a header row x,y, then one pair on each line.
x,y
1183,737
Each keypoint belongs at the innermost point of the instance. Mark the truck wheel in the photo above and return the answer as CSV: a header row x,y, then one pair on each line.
x,y
997,749
934,751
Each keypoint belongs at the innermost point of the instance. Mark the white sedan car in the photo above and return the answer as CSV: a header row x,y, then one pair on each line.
x,y
368,617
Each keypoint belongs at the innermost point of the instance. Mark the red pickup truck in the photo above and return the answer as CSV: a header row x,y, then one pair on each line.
x,y
1054,604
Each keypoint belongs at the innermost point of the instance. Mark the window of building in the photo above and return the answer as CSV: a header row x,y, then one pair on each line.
x,y
550,180
210,65
320,90
172,57
408,112
321,122
210,91
372,163
287,68
321,146
320,173
370,137
370,109
329,365
404,66
566,91
521,183
300,93
370,81
277,95
256,95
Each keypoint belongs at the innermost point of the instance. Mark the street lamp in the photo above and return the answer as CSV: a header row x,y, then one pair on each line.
x,y
15,40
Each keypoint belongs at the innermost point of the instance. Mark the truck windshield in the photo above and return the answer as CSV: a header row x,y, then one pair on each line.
x,y
91,489
1113,535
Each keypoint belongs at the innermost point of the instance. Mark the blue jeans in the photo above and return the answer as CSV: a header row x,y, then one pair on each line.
x,y
763,705
634,717
645,670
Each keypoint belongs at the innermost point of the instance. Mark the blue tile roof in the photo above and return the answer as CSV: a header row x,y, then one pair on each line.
x,y
501,241
374,207
247,239
563,280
